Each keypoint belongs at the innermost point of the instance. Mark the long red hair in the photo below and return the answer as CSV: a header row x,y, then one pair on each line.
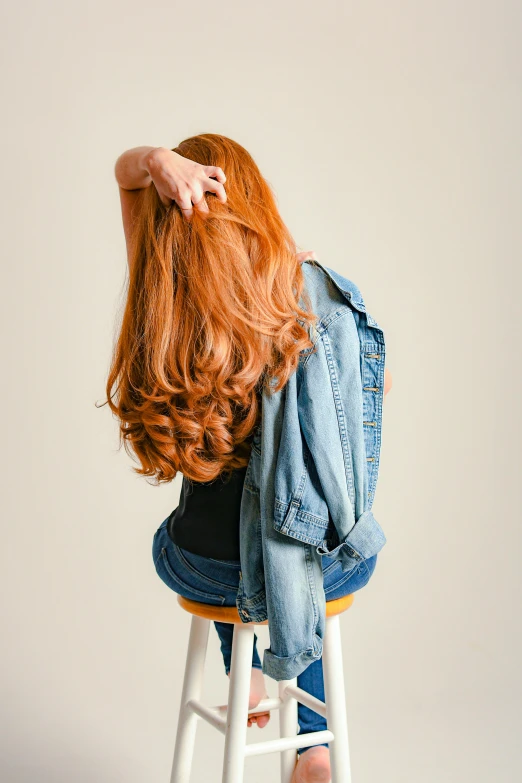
x,y
214,313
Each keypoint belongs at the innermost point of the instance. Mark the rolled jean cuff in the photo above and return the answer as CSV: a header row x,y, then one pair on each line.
x,y
302,750
290,666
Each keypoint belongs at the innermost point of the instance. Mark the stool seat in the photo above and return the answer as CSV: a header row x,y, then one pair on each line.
x,y
230,614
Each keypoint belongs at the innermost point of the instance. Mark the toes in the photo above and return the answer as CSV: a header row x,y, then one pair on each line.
x,y
263,720
260,718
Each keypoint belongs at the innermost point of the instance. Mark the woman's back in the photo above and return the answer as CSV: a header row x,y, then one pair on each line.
x,y
206,521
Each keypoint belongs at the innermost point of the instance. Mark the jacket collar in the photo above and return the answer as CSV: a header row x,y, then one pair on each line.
x,y
344,285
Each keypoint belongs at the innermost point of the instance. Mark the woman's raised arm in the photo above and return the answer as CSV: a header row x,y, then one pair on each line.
x,y
132,168
175,177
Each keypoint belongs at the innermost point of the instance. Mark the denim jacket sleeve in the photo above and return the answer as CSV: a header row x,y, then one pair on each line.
x,y
338,403
311,478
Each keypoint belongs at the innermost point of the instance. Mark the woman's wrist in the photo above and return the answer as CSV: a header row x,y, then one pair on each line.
x,y
133,168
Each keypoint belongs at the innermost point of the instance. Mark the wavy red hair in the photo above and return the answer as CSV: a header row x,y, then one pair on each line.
x,y
216,311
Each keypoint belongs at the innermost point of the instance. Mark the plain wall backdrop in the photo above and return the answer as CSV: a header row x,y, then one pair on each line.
x,y
391,135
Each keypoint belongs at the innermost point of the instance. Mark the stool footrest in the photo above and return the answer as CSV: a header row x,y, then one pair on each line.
x,y
209,714
216,716
307,699
289,743
265,705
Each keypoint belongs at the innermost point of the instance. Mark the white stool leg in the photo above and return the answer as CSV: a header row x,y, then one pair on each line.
x,y
238,697
335,698
192,686
287,728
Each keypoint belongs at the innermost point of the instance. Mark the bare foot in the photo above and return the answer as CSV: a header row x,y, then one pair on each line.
x,y
257,692
313,766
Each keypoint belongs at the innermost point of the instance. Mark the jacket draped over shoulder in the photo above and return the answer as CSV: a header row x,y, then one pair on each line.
x,y
311,479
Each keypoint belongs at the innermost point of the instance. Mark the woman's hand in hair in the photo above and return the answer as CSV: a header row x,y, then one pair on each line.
x,y
184,181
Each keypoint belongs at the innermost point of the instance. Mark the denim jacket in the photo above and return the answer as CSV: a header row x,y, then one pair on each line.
x,y
311,478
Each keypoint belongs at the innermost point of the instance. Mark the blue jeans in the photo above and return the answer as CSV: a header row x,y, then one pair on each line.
x,y
216,581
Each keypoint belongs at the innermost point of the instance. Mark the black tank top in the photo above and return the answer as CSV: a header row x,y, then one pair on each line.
x,y
206,521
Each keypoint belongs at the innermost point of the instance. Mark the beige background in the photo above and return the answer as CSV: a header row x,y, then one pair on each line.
x,y
391,134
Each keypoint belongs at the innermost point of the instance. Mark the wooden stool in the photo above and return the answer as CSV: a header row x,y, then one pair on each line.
x,y
231,718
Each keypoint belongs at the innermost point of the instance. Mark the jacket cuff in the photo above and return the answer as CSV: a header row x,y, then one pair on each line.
x,y
364,540
287,668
